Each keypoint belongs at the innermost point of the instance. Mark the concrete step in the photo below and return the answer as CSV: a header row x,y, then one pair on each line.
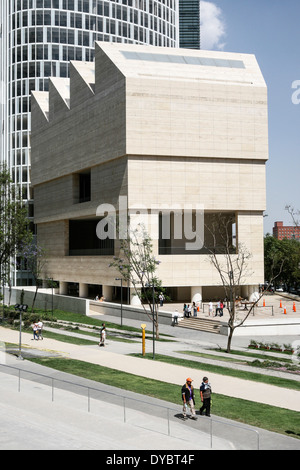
x,y
201,324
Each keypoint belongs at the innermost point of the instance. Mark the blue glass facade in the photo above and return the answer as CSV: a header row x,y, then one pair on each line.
x,y
189,24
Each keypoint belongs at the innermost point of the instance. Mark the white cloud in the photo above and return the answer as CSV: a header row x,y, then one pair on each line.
x,y
213,28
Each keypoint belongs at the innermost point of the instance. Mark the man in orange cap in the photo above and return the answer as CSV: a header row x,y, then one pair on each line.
x,y
187,393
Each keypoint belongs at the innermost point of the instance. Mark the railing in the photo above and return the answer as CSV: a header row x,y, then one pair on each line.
x,y
144,414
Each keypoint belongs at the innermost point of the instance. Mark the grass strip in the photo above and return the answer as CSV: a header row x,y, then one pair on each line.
x,y
242,358
267,417
246,375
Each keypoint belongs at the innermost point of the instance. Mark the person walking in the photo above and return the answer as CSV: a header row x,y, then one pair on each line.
x,y
102,335
188,398
175,318
40,329
35,331
194,309
205,395
210,308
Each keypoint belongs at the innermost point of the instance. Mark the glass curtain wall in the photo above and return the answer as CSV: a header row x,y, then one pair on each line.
x,y
189,24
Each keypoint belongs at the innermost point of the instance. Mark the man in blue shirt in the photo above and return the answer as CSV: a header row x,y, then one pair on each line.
x,y
205,395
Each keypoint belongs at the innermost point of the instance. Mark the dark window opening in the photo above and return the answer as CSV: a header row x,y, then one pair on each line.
x,y
216,232
82,187
83,240
85,187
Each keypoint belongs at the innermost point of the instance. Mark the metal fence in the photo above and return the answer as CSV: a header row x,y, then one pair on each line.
x,y
211,432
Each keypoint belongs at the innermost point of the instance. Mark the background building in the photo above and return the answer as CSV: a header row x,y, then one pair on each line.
x,y
160,127
189,24
38,38
290,232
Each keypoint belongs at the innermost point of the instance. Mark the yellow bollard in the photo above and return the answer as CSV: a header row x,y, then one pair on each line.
x,y
143,326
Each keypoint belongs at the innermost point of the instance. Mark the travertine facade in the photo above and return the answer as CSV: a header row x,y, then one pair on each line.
x,y
162,127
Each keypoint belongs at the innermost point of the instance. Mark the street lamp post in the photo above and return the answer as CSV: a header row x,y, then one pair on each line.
x,y
153,307
121,279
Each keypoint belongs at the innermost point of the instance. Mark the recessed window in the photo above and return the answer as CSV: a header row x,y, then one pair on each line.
x,y
82,187
83,240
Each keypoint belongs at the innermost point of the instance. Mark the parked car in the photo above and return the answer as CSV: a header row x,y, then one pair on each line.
x,y
294,290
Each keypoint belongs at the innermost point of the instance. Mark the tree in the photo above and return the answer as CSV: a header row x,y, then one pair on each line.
x,y
13,222
231,262
294,213
137,266
282,257
34,256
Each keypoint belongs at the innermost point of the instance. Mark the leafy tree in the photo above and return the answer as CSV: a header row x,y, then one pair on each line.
x,y
35,258
13,222
283,257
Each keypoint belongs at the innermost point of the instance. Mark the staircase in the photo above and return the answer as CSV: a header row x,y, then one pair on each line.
x,y
201,324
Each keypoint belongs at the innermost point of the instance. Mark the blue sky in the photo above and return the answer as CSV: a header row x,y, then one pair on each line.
x,y
270,29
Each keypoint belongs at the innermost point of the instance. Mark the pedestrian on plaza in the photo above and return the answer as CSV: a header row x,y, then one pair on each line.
x,y
221,308
189,310
210,308
175,318
185,310
161,299
102,335
35,331
205,395
40,329
195,309
188,398
218,308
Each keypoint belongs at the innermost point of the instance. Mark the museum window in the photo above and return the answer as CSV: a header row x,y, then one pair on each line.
x,y
83,240
82,187
217,232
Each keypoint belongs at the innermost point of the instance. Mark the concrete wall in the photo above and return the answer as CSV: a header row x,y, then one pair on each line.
x,y
265,327
44,300
128,311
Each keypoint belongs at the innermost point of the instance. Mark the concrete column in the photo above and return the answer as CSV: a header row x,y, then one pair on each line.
x,y
83,290
196,295
107,293
63,288
134,298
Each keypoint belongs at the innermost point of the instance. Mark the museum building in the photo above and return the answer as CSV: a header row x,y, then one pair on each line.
x,y
161,131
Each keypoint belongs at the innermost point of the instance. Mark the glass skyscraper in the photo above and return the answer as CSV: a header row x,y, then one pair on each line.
x,y
189,24
38,38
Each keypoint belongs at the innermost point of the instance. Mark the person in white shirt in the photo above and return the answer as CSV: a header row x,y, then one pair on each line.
x,y
40,329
